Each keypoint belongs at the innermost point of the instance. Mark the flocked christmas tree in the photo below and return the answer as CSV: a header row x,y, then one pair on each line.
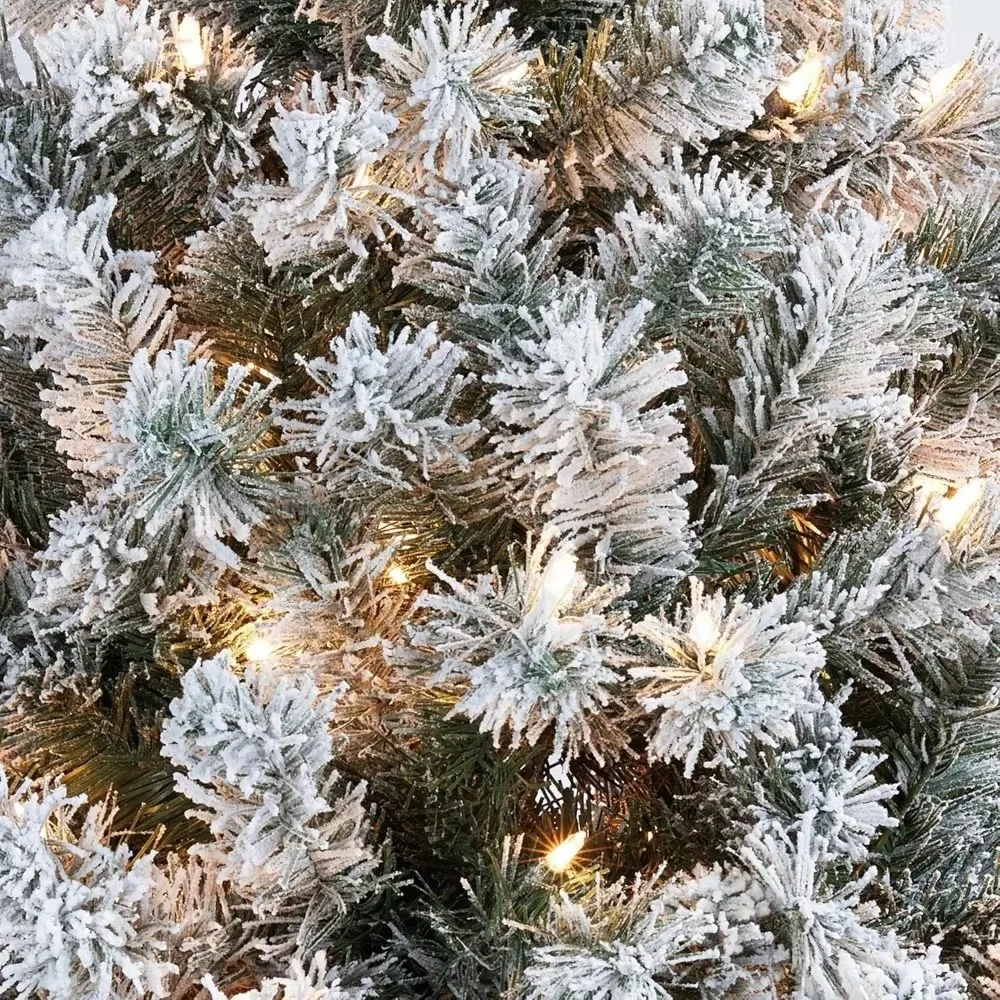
x,y
498,503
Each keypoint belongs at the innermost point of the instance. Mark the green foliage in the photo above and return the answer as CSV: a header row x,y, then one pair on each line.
x,y
474,946
34,481
674,238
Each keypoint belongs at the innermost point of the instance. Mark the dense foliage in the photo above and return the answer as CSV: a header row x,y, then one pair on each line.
x,y
498,502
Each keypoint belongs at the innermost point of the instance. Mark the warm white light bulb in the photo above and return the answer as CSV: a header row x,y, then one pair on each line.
x,y
561,856
937,86
704,630
952,510
927,492
557,578
801,87
258,650
397,575
187,37
927,487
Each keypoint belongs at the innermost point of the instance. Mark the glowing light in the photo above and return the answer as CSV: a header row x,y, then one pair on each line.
x,y
937,86
928,486
258,650
947,504
704,630
557,578
952,510
801,87
561,856
397,575
187,37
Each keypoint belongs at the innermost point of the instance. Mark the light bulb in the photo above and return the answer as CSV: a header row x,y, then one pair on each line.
x,y
953,509
557,578
937,86
258,650
928,486
801,87
928,492
560,857
397,575
704,631
187,38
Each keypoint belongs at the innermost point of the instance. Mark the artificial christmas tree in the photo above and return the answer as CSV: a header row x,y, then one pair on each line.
x,y
498,503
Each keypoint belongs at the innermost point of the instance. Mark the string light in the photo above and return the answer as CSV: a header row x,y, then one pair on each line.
x,y
801,87
258,650
927,487
557,578
947,504
560,857
397,575
937,86
704,630
187,37
952,509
